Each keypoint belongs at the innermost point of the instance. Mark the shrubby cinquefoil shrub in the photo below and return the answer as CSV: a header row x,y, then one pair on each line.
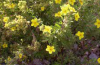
x,y
49,32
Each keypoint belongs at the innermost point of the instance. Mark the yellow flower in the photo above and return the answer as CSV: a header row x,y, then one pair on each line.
x,y
72,9
6,25
12,5
50,49
34,22
65,9
97,23
6,19
77,16
20,55
80,35
72,2
8,58
47,29
58,1
5,45
81,2
13,28
98,60
42,8
58,14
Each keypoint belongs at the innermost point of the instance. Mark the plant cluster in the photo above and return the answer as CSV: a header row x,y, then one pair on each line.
x,y
49,32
